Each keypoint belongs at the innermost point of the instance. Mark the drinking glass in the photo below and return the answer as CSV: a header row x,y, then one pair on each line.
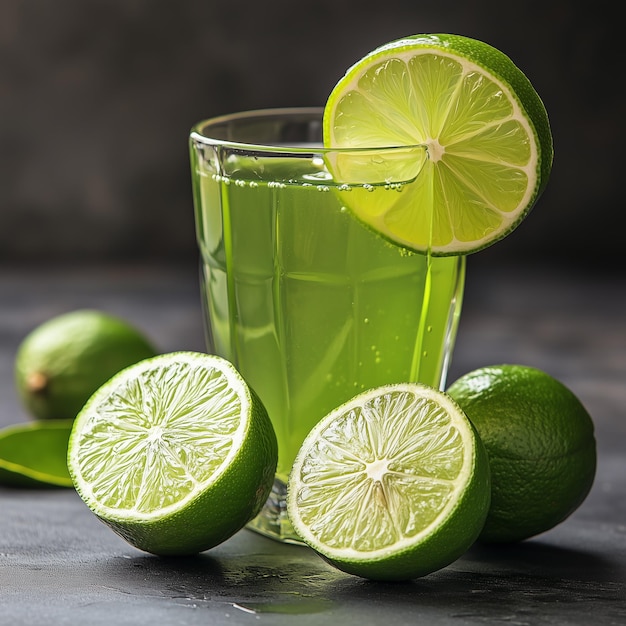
x,y
309,304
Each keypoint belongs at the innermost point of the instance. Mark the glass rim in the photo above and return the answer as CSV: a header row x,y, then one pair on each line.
x,y
198,134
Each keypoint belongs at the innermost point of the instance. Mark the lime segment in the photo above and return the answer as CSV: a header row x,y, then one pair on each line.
x,y
485,129
392,485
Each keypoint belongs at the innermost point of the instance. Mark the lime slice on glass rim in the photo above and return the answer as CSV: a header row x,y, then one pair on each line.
x,y
392,485
175,453
485,129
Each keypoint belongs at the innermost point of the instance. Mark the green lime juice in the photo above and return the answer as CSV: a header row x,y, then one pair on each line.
x,y
310,305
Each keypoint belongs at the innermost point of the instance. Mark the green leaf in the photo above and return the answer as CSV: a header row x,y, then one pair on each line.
x,y
34,454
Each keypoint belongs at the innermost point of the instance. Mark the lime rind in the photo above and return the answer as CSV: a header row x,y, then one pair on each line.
x,y
157,434
485,128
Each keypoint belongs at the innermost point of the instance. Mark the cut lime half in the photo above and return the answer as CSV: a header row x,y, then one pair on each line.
x,y
175,453
485,129
392,485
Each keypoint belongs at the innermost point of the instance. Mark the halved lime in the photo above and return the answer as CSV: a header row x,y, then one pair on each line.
x,y
484,126
392,485
175,453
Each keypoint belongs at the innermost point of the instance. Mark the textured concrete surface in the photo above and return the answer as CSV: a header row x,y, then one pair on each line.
x,y
60,565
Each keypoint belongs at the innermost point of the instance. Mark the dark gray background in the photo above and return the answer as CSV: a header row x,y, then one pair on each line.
x,y
96,101
97,98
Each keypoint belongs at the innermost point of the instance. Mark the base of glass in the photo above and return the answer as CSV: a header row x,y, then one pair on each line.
x,y
273,521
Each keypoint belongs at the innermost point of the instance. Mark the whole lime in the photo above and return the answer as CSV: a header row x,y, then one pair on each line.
x,y
63,361
541,446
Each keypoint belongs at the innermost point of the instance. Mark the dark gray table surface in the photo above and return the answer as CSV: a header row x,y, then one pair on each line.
x,y
59,565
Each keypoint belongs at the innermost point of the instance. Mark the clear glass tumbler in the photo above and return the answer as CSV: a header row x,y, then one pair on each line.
x,y
308,303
